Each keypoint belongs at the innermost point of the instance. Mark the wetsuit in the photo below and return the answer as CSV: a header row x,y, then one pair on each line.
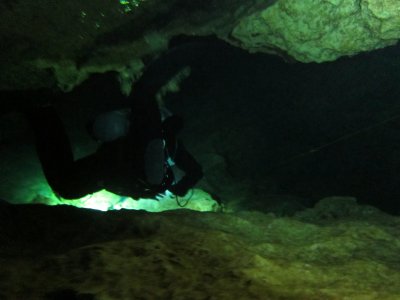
x,y
120,165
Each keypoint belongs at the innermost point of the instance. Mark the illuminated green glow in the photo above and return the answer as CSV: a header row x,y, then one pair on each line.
x,y
129,5
37,191
103,200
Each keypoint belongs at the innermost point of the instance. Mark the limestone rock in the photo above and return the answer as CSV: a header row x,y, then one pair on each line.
x,y
45,44
70,253
318,31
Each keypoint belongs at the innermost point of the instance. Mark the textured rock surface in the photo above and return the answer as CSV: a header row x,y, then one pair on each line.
x,y
315,30
43,43
55,252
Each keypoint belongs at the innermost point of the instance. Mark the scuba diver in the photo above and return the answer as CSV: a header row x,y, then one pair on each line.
x,y
140,148
137,160
138,155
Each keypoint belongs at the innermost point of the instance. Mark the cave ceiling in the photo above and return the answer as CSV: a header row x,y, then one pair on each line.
x,y
44,43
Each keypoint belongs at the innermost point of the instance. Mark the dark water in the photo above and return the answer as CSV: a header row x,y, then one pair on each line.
x,y
315,129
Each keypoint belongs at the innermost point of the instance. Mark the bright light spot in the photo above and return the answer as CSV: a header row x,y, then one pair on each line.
x,y
103,200
129,5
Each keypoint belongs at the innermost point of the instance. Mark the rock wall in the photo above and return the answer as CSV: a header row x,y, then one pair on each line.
x,y
43,44
339,250
318,31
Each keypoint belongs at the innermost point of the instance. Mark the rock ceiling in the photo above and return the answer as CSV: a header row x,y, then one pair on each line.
x,y
43,43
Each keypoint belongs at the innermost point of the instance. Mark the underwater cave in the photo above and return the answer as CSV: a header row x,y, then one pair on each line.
x,y
266,127
290,107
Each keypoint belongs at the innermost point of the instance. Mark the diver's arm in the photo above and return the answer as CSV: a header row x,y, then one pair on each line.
x,y
193,171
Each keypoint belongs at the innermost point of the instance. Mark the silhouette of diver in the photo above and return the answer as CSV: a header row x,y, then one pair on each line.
x,y
137,164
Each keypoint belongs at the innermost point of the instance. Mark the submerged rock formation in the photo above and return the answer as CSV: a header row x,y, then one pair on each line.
x,y
69,253
63,43
318,31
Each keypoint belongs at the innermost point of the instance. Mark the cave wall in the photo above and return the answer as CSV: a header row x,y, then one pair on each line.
x,y
45,44
318,31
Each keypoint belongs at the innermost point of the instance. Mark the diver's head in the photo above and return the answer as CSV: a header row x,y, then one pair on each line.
x,y
110,126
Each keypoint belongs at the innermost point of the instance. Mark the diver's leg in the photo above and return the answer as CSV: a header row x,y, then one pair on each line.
x,y
52,144
67,178
192,54
145,111
82,178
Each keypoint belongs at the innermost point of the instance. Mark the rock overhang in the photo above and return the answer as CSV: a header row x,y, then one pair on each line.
x,y
46,44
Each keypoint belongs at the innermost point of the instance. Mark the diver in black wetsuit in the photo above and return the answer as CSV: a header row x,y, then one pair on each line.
x,y
136,159
139,162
